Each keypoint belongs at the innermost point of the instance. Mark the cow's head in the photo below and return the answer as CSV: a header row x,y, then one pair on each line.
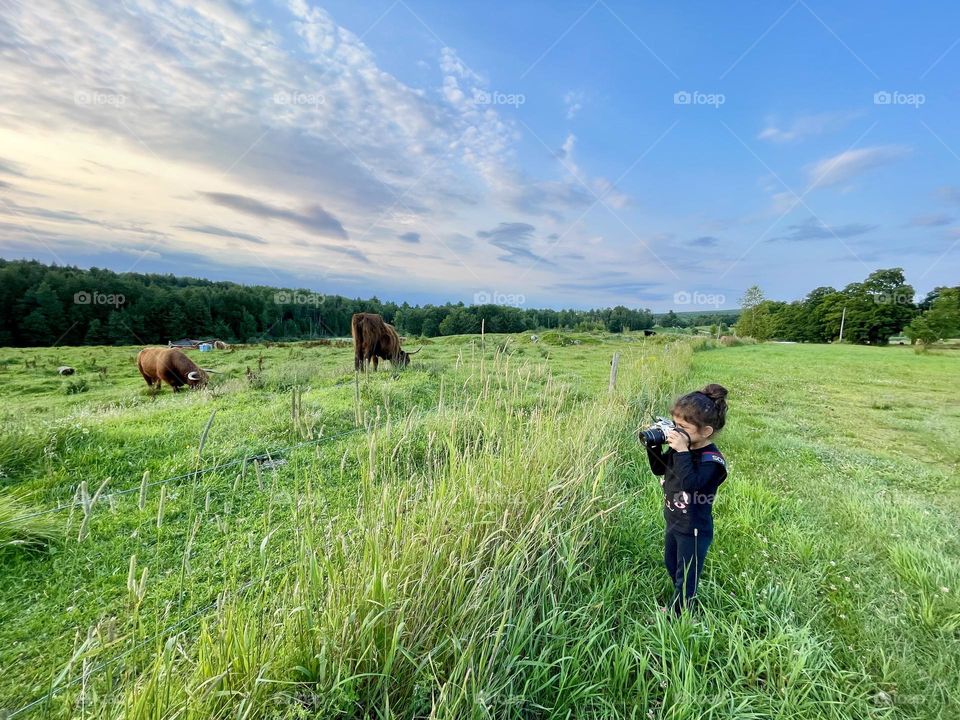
x,y
403,357
197,378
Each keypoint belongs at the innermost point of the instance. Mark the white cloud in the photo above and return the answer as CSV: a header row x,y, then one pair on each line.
x,y
805,126
271,140
852,163
573,101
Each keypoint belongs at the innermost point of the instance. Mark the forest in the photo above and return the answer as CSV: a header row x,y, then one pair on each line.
x,y
48,304
43,305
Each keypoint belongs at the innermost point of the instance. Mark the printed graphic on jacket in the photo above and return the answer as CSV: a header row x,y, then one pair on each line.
x,y
690,481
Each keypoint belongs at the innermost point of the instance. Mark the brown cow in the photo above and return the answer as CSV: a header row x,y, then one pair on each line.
x,y
170,365
374,339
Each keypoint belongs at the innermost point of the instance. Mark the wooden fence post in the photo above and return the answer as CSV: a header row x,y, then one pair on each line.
x,y
613,370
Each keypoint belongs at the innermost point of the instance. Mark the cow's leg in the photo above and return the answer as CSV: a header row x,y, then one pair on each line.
x,y
376,363
357,359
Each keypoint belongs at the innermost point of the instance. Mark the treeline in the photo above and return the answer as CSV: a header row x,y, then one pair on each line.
x,y
871,312
49,304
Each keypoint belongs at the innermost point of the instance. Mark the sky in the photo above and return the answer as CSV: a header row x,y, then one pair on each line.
x,y
541,154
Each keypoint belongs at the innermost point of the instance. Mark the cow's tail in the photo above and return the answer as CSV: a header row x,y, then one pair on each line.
x,y
358,342
355,328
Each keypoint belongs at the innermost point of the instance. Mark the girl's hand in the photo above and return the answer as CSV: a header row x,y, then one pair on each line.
x,y
678,441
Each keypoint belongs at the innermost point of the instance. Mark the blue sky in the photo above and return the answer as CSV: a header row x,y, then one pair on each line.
x,y
549,154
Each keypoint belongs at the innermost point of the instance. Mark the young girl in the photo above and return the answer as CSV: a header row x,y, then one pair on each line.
x,y
692,470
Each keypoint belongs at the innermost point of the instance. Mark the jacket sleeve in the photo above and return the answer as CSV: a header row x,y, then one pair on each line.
x,y
657,458
694,479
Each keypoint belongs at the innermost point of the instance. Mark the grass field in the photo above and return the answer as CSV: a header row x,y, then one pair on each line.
x,y
477,536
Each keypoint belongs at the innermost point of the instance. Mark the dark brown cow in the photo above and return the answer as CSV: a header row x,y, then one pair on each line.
x,y
170,366
374,339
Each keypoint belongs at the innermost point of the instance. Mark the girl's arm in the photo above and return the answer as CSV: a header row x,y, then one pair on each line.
x,y
710,473
657,459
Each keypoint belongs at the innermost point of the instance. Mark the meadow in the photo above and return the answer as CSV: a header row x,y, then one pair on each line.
x,y
476,536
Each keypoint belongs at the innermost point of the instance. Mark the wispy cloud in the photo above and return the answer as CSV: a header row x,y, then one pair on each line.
x,y
850,164
515,239
814,229
949,194
931,220
805,126
314,219
223,232
573,101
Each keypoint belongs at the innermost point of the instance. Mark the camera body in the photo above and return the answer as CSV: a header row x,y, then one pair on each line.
x,y
656,434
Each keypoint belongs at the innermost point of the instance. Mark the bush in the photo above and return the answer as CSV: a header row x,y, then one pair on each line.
x,y
75,387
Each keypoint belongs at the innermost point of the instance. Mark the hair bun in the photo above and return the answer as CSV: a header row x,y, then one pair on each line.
x,y
715,392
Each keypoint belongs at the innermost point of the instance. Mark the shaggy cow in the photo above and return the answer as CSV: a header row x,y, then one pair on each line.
x,y
374,339
170,366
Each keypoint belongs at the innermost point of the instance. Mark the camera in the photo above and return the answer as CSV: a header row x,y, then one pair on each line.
x,y
656,434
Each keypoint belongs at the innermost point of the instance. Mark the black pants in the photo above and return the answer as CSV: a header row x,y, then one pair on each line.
x,y
683,554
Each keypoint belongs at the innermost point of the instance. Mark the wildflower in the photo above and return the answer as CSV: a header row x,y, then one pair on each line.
x,y
847,578
833,562
944,589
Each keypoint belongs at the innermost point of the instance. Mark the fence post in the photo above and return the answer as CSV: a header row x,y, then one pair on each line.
x,y
613,370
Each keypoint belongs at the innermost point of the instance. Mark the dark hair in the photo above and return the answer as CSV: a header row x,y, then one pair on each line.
x,y
703,407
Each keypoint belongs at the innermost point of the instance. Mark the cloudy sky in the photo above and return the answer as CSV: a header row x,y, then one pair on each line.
x,y
564,154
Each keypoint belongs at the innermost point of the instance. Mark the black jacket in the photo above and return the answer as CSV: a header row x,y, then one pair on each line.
x,y
690,482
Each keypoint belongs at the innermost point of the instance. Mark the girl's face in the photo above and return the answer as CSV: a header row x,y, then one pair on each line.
x,y
697,435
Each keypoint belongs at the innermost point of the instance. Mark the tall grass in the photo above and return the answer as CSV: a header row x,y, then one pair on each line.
x,y
465,583
23,530
502,560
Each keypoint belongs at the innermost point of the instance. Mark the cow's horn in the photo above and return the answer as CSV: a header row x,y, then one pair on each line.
x,y
208,370
193,375
416,351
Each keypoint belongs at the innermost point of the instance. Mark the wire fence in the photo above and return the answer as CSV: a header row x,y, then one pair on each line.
x,y
183,476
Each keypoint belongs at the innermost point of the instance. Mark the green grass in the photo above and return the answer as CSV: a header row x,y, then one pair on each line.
x,y
487,543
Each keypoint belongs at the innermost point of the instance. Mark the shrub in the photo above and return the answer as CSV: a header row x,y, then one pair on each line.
x,y
75,387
